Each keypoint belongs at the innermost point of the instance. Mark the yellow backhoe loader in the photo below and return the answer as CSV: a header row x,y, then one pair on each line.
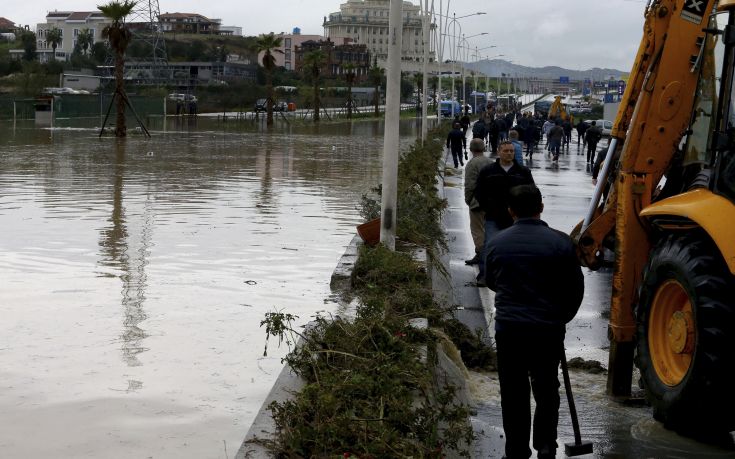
x,y
665,204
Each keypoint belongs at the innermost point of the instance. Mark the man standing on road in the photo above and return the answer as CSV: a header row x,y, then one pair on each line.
x,y
493,184
592,136
477,215
456,141
555,136
582,127
538,286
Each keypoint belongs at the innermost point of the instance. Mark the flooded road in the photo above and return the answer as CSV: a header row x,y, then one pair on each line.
x,y
135,276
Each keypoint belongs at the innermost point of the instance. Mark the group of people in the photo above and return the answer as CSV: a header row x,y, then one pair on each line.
x,y
525,262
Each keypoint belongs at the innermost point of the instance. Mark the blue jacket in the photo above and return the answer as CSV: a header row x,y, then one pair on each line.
x,y
519,151
535,274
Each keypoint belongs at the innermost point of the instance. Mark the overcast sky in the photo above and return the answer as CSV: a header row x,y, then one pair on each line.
x,y
576,34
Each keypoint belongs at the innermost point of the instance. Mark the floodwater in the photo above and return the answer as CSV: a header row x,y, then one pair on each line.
x,y
135,276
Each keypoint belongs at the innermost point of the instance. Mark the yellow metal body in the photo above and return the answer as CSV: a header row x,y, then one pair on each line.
x,y
654,113
557,109
710,211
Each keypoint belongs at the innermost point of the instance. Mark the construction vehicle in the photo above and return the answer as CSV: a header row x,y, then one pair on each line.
x,y
557,109
665,204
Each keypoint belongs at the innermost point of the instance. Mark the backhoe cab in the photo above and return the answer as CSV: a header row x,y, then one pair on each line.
x,y
665,203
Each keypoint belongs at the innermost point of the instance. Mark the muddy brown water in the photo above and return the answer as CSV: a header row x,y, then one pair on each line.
x,y
135,276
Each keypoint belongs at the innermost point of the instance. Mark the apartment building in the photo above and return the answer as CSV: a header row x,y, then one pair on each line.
x,y
286,58
366,22
70,23
189,23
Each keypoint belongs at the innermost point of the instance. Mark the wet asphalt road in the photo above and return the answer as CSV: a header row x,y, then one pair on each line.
x,y
618,430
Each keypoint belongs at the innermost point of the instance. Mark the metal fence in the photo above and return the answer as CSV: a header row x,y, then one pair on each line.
x,y
80,106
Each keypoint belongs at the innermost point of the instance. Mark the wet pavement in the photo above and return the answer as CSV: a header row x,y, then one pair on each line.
x,y
618,430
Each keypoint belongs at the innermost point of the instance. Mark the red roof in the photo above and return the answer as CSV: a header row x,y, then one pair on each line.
x,y
6,24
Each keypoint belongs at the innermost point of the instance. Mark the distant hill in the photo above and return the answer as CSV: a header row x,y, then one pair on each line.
x,y
496,67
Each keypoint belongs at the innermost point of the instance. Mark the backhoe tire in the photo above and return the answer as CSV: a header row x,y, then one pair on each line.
x,y
686,336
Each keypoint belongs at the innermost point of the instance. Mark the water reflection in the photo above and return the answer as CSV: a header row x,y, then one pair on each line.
x,y
116,252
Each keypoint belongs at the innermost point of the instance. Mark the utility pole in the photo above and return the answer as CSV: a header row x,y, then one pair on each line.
x,y
392,118
425,86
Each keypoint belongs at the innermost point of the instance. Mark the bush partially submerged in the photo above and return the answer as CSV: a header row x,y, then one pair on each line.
x,y
371,389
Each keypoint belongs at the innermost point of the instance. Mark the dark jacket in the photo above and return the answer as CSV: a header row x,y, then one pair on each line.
x,y
567,126
479,130
465,121
535,274
593,135
582,128
456,140
493,185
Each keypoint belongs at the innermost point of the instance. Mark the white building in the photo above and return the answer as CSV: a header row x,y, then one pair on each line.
x,y
70,23
366,22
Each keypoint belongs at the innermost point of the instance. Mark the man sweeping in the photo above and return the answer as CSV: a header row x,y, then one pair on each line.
x,y
538,286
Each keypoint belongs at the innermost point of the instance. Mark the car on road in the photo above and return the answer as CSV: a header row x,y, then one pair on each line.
x,y
262,106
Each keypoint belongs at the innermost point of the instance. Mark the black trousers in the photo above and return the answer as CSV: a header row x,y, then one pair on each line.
x,y
528,359
591,150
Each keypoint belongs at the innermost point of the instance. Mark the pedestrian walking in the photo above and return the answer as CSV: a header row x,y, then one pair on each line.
x,y
582,127
538,286
479,131
592,136
567,126
456,142
548,124
555,136
477,215
465,122
502,128
514,138
493,134
493,184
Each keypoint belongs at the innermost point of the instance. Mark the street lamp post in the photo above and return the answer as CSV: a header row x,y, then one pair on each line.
x,y
441,36
465,46
389,197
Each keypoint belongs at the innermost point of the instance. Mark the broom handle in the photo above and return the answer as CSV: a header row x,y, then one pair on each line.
x,y
570,397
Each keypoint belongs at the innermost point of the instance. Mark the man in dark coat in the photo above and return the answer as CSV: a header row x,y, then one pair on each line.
x,y
592,136
538,286
456,141
465,122
491,191
567,126
582,127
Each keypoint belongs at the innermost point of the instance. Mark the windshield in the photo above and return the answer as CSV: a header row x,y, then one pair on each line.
x,y
725,173
703,125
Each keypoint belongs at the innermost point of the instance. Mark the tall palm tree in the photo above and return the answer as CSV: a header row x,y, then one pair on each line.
x,y
119,36
85,40
313,62
268,44
349,71
54,37
376,76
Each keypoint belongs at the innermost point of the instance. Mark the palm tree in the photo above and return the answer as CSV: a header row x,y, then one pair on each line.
x,y
349,71
267,44
119,36
85,39
376,76
313,62
54,37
